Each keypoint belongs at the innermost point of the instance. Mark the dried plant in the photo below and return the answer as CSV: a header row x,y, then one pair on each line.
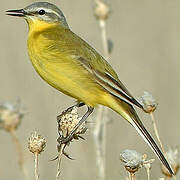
x,y
10,116
101,12
147,165
67,121
36,145
148,102
149,106
10,119
133,161
174,160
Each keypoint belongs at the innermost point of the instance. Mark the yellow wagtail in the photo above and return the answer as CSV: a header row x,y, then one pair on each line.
x,y
72,66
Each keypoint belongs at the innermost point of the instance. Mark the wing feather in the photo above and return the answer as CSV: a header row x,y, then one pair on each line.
x,y
112,85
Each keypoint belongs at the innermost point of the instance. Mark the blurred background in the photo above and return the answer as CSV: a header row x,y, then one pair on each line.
x,y
146,55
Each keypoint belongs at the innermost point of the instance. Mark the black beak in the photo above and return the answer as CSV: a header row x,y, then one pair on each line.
x,y
18,13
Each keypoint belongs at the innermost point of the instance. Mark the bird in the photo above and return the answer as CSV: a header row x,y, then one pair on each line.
x,y
69,64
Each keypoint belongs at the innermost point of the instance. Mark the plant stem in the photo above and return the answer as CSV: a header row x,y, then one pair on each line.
x,y
168,178
132,176
99,139
101,118
20,153
102,24
36,163
148,173
156,131
59,162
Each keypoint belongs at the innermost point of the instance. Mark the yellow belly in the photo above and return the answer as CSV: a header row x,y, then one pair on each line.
x,y
64,73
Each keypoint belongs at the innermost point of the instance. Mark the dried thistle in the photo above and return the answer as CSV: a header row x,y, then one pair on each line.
x,y
148,102
36,143
149,106
147,165
174,160
67,121
133,161
10,119
101,10
10,116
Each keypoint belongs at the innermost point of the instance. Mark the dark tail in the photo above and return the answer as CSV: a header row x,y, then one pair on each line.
x,y
127,111
150,141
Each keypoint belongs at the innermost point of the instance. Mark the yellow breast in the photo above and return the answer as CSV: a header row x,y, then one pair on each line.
x,y
59,69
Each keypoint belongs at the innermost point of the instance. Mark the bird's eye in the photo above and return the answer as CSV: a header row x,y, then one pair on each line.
x,y
41,12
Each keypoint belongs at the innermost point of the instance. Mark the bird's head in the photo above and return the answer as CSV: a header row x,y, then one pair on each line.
x,y
40,12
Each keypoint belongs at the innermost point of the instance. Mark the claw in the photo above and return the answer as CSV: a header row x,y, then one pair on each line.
x,y
54,159
81,137
65,154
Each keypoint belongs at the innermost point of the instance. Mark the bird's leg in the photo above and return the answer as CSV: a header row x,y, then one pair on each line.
x,y
79,104
70,136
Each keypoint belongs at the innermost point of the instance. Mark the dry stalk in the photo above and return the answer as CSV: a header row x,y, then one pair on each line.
x,y
10,119
19,152
168,178
36,163
102,24
159,140
58,172
149,106
100,143
148,167
132,176
156,131
101,12
148,173
36,145
67,121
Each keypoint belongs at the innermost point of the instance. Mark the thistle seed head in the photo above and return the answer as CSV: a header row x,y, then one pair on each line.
x,y
148,102
68,120
174,160
133,160
101,10
10,116
36,143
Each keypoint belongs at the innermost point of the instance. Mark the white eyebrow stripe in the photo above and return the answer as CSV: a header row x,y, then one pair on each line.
x,y
49,11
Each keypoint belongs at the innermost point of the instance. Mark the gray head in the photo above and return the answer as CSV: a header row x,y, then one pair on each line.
x,y
42,11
